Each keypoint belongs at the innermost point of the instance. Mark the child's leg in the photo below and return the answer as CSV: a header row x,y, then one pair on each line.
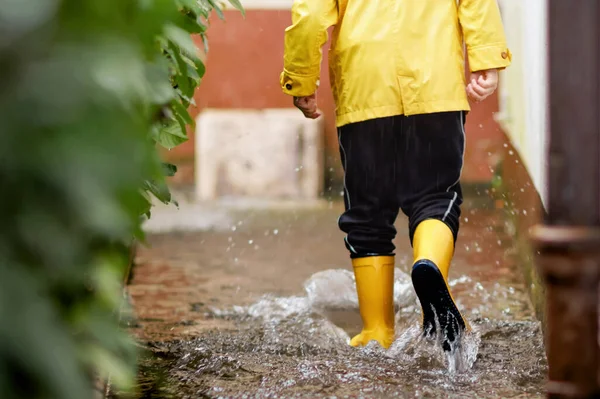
x,y
368,150
430,195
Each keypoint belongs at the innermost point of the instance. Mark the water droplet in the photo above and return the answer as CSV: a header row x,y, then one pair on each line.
x,y
275,231
466,220
250,242
233,228
511,152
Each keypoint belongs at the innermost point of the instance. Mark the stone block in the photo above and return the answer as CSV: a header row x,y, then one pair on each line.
x,y
266,154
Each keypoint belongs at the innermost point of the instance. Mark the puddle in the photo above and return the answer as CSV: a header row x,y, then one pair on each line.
x,y
297,347
269,313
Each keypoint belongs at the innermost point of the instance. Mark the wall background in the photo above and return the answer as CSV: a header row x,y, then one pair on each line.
x,y
523,91
243,64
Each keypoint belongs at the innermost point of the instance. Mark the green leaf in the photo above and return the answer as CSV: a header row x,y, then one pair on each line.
x,y
205,42
169,169
159,189
238,6
185,85
194,6
200,67
182,39
217,8
205,8
180,110
159,89
193,74
182,123
181,78
146,204
190,23
171,135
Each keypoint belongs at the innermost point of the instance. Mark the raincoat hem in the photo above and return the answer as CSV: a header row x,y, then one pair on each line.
x,y
425,107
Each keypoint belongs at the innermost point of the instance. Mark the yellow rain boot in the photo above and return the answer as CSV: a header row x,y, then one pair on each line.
x,y
433,246
375,287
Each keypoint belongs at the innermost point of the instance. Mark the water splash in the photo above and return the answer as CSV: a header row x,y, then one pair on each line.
x,y
336,289
274,309
412,346
302,322
289,347
331,289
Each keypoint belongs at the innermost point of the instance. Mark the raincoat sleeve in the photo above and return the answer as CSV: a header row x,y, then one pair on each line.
x,y
304,41
483,31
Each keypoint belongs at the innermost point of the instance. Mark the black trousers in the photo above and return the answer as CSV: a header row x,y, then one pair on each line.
x,y
411,163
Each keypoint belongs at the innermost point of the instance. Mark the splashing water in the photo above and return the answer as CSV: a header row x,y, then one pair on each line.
x,y
295,344
298,347
335,290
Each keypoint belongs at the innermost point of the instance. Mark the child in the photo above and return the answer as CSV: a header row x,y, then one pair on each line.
x,y
398,79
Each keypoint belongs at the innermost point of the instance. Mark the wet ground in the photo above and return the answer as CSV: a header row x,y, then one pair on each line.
x,y
262,305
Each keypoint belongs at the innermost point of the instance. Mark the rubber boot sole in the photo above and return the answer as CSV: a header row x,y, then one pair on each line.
x,y
436,300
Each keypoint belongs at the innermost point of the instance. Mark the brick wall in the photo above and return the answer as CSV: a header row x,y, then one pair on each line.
x,y
243,65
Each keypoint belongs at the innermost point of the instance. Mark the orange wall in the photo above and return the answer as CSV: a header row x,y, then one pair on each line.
x,y
243,65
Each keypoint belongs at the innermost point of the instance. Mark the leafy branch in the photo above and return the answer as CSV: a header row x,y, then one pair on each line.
x,y
186,70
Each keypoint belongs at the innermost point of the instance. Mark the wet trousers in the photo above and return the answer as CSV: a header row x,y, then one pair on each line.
x,y
412,163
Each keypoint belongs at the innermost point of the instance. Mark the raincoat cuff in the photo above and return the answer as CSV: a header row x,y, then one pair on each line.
x,y
298,85
489,57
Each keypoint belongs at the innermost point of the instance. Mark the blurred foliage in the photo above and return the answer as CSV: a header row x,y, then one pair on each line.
x,y
88,90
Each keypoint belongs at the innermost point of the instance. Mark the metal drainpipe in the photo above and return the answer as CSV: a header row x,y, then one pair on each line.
x,y
569,238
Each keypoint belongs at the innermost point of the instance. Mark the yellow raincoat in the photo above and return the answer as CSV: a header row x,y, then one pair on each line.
x,y
392,57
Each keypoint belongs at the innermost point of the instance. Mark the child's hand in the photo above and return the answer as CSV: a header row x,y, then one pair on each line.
x,y
308,106
482,84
